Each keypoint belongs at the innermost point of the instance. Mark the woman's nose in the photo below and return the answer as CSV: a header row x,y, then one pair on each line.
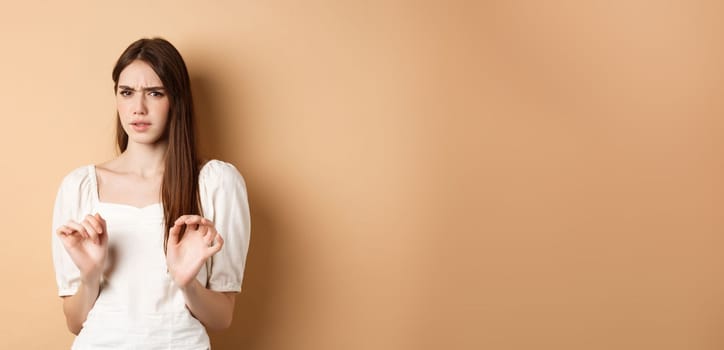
x,y
139,105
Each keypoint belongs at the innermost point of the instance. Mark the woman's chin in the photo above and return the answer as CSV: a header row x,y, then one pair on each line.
x,y
146,140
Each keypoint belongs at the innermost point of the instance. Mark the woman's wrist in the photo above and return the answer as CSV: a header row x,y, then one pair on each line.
x,y
191,287
90,288
93,282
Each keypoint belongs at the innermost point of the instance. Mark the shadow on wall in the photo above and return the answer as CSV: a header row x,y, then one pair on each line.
x,y
252,309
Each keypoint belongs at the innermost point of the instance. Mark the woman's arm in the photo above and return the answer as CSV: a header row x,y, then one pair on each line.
x,y
77,306
87,245
214,309
185,256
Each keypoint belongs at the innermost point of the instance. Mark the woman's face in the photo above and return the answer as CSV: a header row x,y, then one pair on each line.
x,y
142,103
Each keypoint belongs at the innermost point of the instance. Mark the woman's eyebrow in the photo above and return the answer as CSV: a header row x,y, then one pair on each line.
x,y
150,88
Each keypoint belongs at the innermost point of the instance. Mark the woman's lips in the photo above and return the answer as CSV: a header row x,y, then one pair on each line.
x,y
140,126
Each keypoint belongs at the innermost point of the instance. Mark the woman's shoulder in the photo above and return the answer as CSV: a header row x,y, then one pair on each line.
x,y
219,172
217,167
78,176
78,183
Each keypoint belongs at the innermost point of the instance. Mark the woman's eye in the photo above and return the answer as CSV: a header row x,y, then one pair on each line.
x,y
156,93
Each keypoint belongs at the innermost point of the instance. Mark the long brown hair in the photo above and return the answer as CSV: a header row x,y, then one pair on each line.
x,y
179,188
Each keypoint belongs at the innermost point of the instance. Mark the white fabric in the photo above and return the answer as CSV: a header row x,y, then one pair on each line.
x,y
139,307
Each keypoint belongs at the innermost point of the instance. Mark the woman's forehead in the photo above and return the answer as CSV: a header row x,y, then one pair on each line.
x,y
139,74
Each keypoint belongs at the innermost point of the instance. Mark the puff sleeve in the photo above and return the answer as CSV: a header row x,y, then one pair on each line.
x,y
224,201
72,202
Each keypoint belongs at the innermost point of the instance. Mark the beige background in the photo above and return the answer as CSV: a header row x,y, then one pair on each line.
x,y
422,175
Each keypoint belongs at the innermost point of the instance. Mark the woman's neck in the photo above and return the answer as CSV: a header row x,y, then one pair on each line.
x,y
143,159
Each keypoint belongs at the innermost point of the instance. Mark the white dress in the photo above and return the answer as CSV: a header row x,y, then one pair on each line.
x,y
139,307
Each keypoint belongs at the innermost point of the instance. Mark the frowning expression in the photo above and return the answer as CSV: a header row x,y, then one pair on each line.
x,y
142,103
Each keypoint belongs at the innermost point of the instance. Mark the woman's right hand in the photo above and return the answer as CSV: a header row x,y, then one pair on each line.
x,y
87,245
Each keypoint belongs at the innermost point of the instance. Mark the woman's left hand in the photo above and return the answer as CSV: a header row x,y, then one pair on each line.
x,y
185,255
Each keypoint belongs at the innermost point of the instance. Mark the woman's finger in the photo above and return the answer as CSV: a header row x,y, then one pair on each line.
x,y
68,235
211,230
173,234
206,222
97,227
209,237
101,220
217,246
182,219
64,230
195,220
78,227
92,234
93,221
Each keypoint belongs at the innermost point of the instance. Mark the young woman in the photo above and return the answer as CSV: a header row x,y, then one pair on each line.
x,y
149,248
